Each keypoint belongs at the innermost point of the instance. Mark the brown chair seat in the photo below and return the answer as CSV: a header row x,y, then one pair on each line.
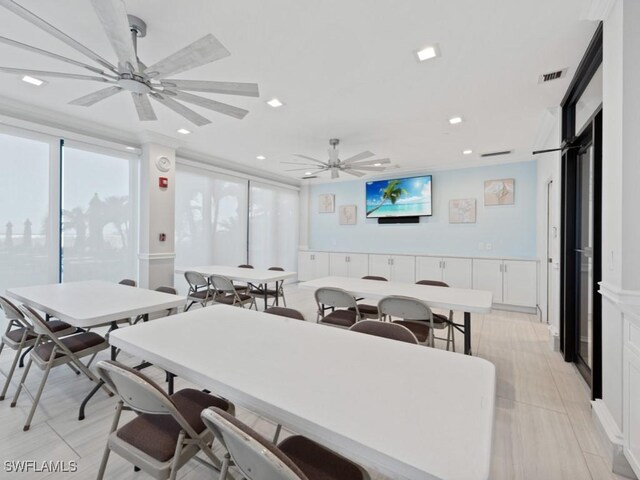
x,y
318,463
343,318
366,309
419,328
200,294
76,343
157,435
229,299
285,312
16,335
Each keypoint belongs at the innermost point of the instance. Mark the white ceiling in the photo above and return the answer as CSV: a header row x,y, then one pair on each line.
x,y
345,69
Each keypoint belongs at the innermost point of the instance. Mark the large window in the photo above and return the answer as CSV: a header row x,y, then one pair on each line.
x,y
211,218
99,216
273,226
27,256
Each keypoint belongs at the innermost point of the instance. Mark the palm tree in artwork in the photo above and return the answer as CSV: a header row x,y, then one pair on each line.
x,y
392,192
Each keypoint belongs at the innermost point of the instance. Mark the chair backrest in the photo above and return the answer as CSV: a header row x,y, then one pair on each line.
x,y
128,282
221,284
245,265
276,269
285,312
195,280
432,283
335,297
377,328
374,277
140,393
10,310
164,289
406,308
38,323
253,455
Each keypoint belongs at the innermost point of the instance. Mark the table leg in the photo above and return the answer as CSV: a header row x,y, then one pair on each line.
x,y
265,296
114,350
277,291
467,333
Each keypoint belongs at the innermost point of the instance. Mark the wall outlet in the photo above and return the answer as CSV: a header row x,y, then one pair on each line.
x,y
489,246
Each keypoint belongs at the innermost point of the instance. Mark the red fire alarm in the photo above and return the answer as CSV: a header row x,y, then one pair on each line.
x,y
162,237
163,182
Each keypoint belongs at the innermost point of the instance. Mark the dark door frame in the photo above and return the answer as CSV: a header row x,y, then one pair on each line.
x,y
573,143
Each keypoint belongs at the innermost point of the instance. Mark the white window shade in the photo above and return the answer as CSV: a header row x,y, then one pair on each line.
x,y
26,256
99,204
211,218
273,226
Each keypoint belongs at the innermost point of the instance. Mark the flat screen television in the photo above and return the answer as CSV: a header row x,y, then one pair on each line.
x,y
399,197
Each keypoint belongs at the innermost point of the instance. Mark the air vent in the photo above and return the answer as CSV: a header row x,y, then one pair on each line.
x,y
495,154
548,77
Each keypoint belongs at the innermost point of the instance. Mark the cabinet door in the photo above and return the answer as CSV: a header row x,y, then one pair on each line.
x,y
457,272
358,265
380,265
403,269
338,266
428,268
321,267
487,275
305,266
520,283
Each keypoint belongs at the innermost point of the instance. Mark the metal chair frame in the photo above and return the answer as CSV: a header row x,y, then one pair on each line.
x,y
334,298
197,284
223,287
449,324
408,309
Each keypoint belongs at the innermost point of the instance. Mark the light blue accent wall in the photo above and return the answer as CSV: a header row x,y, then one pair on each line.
x,y
510,230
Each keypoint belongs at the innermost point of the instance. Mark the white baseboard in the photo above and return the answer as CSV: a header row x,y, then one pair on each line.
x,y
554,340
611,438
515,308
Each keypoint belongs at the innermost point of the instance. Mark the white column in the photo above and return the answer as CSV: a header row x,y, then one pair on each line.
x,y
304,216
157,213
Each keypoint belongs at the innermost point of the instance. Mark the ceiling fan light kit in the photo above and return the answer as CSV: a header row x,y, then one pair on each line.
x,y
357,165
132,75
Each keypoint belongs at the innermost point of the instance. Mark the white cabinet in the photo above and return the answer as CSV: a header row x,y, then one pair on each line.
x,y
455,272
397,268
312,265
512,282
353,265
631,390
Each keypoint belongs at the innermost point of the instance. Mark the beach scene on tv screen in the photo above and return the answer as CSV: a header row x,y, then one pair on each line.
x,y
400,197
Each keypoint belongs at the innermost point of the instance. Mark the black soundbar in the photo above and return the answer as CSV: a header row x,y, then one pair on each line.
x,y
388,220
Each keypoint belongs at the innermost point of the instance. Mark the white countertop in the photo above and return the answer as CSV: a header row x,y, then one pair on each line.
x,y
423,254
410,411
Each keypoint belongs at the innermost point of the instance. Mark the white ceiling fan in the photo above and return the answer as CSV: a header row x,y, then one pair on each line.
x,y
131,74
358,165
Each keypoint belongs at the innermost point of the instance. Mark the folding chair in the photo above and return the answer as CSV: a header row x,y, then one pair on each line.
x,y
415,314
199,289
337,298
225,292
49,352
393,331
440,321
20,336
168,430
295,458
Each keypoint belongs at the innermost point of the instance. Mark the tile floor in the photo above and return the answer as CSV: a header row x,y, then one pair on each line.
x,y
542,430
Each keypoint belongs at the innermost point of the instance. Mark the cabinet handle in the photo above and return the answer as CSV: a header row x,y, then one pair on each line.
x,y
444,264
392,261
505,268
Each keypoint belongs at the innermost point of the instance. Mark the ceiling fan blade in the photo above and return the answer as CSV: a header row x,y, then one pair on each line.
x,y
180,109
219,107
368,169
300,164
206,50
298,169
226,88
113,16
312,159
51,30
143,106
29,48
95,97
354,173
381,161
41,73
360,156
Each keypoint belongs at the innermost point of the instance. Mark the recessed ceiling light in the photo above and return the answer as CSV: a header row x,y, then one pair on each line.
x,y
307,173
275,103
130,148
33,81
467,152
377,164
261,157
427,53
184,131
455,120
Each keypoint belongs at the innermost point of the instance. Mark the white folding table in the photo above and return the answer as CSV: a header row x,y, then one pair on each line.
x,y
92,303
457,299
254,276
409,411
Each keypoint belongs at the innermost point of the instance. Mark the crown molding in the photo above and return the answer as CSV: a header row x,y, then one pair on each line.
x,y
149,136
